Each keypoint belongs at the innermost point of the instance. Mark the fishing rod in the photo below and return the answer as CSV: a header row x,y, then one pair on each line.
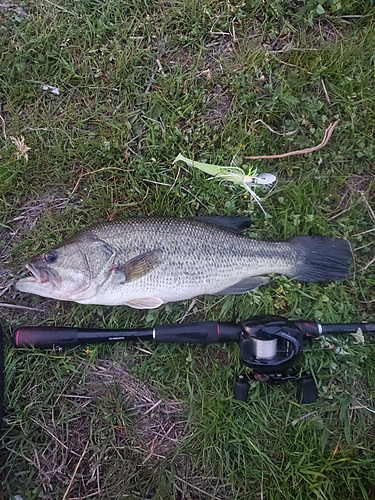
x,y
269,345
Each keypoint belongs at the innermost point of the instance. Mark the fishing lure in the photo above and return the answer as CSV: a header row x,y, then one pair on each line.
x,y
234,174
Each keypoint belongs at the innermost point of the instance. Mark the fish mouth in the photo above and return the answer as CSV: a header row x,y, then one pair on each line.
x,y
39,275
41,282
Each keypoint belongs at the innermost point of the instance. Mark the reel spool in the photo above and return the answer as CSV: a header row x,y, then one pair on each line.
x,y
269,345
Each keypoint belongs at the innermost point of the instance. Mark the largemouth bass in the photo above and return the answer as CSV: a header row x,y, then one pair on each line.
x,y
144,262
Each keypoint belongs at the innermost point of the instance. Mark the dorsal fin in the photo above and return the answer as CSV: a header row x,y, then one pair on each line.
x,y
235,224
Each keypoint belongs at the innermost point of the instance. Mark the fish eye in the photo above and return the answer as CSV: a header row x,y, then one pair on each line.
x,y
50,257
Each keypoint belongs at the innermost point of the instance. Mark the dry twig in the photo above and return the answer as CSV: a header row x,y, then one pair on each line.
x,y
326,138
325,92
191,485
94,172
75,471
274,131
369,264
62,9
3,127
16,306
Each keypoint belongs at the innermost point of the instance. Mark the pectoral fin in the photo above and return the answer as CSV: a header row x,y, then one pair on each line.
x,y
147,303
140,265
244,286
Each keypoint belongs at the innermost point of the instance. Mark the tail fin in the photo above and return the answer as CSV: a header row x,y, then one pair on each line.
x,y
325,259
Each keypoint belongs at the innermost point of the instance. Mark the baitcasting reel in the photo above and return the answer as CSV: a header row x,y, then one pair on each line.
x,y
270,346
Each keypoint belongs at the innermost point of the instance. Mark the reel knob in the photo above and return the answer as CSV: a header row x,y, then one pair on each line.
x,y
241,388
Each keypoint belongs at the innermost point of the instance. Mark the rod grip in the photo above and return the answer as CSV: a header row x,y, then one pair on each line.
x,y
49,337
46,337
206,332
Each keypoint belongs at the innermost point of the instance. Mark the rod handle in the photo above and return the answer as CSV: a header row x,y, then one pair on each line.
x,y
46,337
205,332
49,337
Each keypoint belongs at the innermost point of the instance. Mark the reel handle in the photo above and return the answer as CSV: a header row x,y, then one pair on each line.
x,y
241,388
307,391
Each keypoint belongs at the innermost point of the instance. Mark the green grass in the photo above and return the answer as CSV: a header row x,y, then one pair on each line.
x,y
141,82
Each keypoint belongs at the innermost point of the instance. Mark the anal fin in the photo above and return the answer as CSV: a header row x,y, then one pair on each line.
x,y
145,303
244,285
